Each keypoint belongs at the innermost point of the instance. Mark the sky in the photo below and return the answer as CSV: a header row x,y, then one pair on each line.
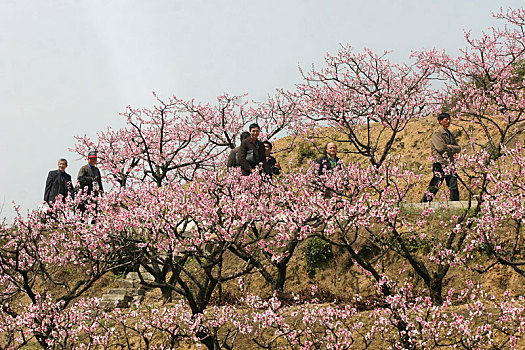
x,y
68,68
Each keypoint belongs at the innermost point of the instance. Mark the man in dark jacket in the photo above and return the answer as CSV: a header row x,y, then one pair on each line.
x,y
443,146
272,166
233,158
89,174
329,160
58,182
251,152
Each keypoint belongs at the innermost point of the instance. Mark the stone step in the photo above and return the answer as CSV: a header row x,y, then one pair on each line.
x,y
134,276
125,283
116,297
115,300
130,290
109,304
127,291
117,291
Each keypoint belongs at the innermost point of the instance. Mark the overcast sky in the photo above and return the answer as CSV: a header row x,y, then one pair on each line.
x,y
69,67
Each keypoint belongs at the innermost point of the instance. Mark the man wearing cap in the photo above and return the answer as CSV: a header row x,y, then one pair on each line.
x,y
58,183
443,146
89,174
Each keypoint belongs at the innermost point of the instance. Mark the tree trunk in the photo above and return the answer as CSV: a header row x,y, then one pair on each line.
x,y
436,290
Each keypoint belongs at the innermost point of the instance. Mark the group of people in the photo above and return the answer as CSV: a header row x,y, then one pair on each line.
x,y
255,156
251,157
59,182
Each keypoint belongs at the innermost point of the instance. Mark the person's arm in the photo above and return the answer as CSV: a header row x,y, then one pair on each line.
x,y
453,147
232,158
321,162
84,178
70,186
243,150
276,167
49,184
339,163
262,155
98,179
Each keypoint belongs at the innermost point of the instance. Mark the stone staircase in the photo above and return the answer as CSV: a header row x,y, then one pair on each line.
x,y
130,291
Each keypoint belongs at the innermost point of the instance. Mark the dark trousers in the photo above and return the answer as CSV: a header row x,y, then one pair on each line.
x,y
437,179
83,208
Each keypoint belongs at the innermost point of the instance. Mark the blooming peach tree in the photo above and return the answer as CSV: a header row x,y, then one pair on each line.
x,y
200,229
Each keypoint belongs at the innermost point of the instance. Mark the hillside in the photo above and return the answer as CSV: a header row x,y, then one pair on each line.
x,y
412,146
339,278
340,249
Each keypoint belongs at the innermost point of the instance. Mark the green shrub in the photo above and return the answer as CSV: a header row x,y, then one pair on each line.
x,y
305,152
317,253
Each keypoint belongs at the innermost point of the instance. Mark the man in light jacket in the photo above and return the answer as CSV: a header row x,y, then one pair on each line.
x,y
443,146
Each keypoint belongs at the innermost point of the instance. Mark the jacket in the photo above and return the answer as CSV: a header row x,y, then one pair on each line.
x,y
250,155
87,175
269,167
57,183
443,142
325,164
233,158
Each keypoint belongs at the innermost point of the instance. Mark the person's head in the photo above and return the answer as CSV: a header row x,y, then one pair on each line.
x,y
267,147
92,158
244,135
254,131
330,150
62,164
444,120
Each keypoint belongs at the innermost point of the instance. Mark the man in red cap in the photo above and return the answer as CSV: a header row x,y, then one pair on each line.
x,y
88,175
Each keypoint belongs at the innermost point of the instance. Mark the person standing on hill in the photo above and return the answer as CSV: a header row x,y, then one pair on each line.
x,y
233,158
251,152
58,183
272,166
329,160
443,146
88,175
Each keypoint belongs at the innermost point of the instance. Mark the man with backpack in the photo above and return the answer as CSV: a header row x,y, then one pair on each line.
x,y
233,158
